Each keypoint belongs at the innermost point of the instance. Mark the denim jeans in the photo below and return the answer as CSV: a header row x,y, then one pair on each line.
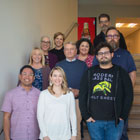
x,y
105,130
124,133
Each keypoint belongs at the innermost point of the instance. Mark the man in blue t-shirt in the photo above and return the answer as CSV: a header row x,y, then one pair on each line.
x,y
122,58
74,70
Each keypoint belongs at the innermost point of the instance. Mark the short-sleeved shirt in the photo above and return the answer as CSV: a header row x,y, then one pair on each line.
x,y
122,58
22,106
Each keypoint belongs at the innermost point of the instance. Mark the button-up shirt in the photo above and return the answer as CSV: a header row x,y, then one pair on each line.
x,y
22,105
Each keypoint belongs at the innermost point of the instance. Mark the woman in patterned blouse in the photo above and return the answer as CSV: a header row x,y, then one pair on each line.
x,y
84,50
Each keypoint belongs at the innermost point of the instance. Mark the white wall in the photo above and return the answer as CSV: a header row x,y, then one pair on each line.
x,y
114,11
22,23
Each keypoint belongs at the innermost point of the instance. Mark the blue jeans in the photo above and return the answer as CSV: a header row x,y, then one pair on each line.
x,y
124,133
105,130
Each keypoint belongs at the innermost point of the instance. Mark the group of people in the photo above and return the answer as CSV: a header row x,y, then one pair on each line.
x,y
67,84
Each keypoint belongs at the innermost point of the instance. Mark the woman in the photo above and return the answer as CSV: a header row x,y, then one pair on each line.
x,y
56,109
84,48
58,42
37,62
50,58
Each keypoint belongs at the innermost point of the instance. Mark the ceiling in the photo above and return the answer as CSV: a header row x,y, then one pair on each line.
x,y
125,30
128,30
110,2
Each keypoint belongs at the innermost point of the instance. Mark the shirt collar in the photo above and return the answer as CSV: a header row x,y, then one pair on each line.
x,y
70,60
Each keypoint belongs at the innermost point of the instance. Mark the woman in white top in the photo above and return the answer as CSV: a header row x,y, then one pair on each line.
x,y
56,109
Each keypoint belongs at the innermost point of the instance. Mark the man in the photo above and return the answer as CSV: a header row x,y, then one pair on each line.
x,y
122,58
20,107
74,70
104,23
105,97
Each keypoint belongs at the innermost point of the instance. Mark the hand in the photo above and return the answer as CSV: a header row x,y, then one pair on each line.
x,y
75,92
120,119
73,138
90,120
46,138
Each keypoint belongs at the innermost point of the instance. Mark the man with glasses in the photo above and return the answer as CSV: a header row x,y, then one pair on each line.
x,y
104,23
20,107
105,97
122,58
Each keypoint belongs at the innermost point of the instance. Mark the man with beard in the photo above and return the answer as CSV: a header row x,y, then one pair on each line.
x,y
105,97
122,58
104,23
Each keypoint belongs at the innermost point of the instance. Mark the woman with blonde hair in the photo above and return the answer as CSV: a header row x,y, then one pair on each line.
x,y
56,112
37,62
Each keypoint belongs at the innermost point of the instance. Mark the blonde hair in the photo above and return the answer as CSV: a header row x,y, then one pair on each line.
x,y
64,84
42,56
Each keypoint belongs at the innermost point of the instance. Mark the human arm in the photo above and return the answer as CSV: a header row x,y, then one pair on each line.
x,y
133,77
127,93
41,114
73,118
83,96
75,92
6,125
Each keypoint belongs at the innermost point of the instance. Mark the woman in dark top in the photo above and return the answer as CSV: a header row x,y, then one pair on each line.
x,y
37,62
58,42
50,58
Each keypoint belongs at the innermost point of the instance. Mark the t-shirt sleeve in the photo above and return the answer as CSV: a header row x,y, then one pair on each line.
x,y
7,103
131,63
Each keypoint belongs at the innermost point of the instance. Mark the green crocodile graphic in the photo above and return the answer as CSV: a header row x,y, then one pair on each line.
x,y
102,86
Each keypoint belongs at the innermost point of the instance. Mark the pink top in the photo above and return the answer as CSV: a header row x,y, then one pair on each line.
x,y
88,60
23,108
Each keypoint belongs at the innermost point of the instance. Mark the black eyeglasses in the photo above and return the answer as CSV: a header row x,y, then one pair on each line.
x,y
112,36
104,53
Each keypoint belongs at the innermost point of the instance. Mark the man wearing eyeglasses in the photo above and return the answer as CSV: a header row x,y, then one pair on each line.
x,y
20,107
122,58
105,97
104,23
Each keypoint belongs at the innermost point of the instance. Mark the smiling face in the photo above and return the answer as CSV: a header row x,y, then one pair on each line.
x,y
59,40
45,44
84,48
56,78
26,78
36,56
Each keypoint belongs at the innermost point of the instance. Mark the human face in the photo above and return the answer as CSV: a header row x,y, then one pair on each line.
x,y
59,40
26,78
36,56
113,38
84,48
45,44
104,56
104,23
70,51
56,78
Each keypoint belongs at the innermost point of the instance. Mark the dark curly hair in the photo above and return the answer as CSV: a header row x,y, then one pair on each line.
x,y
78,43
